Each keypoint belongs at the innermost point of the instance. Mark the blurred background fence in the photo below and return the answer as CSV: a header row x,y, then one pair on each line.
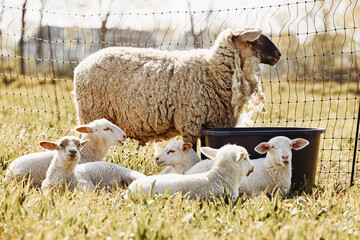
x,y
315,84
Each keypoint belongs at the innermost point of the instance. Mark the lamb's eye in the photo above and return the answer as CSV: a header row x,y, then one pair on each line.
x,y
170,151
62,145
272,147
108,129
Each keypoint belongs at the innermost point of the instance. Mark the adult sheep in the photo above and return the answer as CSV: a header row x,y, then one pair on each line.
x,y
155,95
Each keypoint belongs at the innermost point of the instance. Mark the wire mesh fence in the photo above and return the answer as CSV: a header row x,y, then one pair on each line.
x,y
315,84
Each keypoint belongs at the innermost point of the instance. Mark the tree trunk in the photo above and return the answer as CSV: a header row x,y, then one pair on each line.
x,y
21,43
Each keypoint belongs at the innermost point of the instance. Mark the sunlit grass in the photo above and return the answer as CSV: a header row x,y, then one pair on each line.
x,y
32,110
327,213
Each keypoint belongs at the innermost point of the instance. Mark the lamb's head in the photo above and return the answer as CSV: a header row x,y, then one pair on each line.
x,y
231,156
104,131
173,154
68,148
251,42
278,149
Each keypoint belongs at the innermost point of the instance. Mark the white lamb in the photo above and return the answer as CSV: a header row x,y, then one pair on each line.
x,y
179,156
105,175
232,163
155,95
64,168
101,135
66,156
273,171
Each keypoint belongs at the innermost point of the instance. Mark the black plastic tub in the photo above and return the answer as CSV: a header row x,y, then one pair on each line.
x,y
304,161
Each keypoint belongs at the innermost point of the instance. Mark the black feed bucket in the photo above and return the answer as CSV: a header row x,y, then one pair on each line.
x,y
304,161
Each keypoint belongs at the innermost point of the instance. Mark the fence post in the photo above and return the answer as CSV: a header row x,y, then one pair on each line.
x,y
355,148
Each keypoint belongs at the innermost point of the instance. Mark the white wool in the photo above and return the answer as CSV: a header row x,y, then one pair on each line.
x,y
179,156
35,165
273,171
231,165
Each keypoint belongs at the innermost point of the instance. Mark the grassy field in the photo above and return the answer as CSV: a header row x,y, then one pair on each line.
x,y
33,110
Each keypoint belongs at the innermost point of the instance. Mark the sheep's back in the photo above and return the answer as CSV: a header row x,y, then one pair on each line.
x,y
150,94
105,174
33,165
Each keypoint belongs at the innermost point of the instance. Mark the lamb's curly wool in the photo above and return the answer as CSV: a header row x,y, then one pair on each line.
x,y
154,95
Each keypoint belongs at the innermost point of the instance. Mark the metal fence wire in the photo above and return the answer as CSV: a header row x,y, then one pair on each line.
x,y
315,84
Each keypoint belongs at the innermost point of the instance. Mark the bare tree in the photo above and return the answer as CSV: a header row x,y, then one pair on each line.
x,y
40,35
21,43
103,29
197,36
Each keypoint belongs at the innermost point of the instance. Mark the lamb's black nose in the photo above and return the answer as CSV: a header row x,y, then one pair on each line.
x,y
73,152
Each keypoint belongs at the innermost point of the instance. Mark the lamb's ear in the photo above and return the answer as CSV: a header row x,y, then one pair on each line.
x,y
83,129
49,145
209,152
240,156
299,143
185,147
82,143
262,147
248,34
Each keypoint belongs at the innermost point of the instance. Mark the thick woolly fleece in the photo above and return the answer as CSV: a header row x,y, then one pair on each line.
x,y
155,95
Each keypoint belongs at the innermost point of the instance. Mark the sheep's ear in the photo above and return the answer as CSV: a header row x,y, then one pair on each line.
x,y
82,143
240,156
248,34
262,147
49,145
185,147
299,143
84,129
209,152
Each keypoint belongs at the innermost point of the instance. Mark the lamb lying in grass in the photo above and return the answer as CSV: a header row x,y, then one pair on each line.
x,y
66,156
271,172
105,175
178,156
101,135
88,176
232,163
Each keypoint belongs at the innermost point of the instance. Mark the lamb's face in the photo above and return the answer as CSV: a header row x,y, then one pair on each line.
x,y
67,147
172,154
279,149
250,42
107,132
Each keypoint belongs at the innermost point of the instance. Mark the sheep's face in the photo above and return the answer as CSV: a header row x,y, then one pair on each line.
x,y
104,130
68,148
173,154
250,42
279,149
243,159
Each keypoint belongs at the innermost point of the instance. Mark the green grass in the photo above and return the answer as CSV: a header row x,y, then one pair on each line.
x,y
31,110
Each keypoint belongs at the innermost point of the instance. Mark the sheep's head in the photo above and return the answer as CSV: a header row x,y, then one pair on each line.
x,y
278,149
68,148
105,131
230,154
251,42
173,154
